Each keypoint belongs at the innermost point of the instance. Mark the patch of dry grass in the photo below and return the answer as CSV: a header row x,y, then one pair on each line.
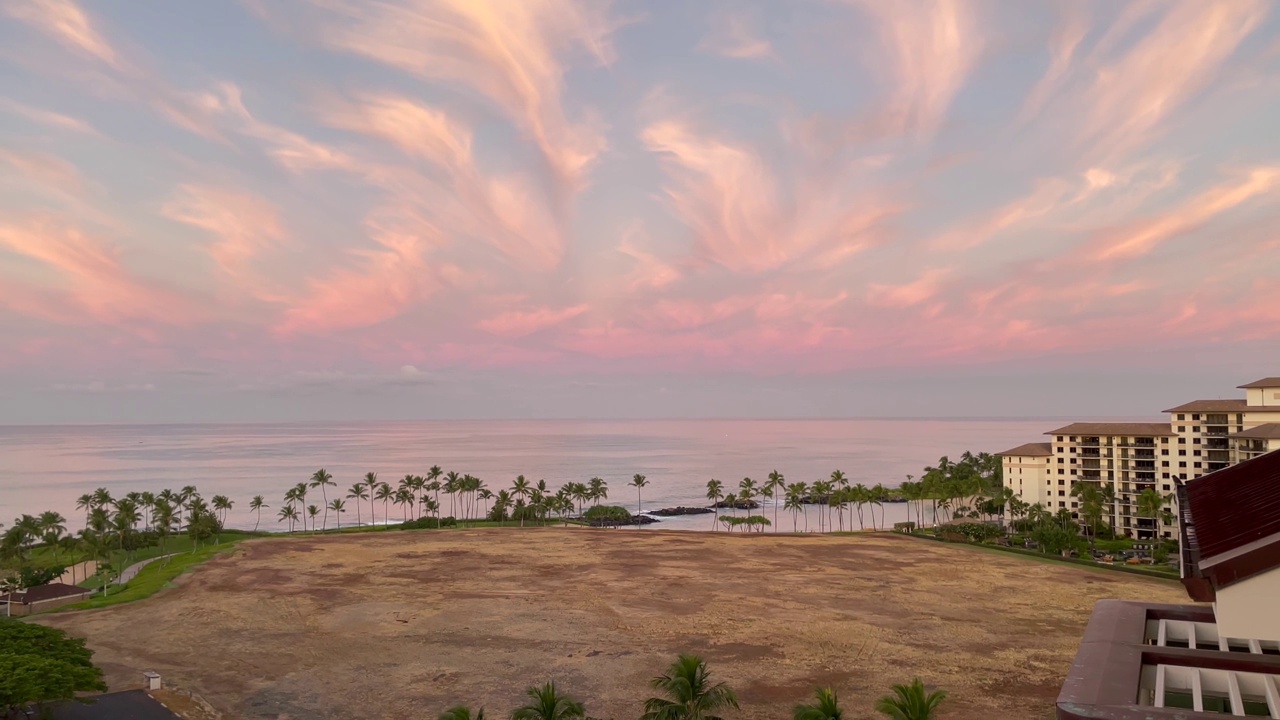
x,y
395,625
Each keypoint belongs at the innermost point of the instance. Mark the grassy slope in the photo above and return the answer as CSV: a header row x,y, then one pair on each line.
x,y
157,576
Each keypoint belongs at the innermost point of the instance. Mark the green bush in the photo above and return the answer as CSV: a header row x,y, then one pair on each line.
x,y
428,523
614,513
976,532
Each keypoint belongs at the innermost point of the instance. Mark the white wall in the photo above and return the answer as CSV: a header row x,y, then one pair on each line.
x,y
1250,609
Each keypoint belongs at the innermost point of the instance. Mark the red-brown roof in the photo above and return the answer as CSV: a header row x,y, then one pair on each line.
x,y
1271,382
1211,406
1040,449
1126,429
1235,515
40,593
1270,431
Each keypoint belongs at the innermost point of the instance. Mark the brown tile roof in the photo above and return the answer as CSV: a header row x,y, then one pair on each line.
x,y
1234,514
1127,429
40,593
1270,431
1211,406
1271,382
1040,449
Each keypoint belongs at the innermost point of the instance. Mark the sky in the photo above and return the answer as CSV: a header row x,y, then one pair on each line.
x,y
342,209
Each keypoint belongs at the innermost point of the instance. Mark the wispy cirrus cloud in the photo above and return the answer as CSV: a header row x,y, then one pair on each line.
x,y
47,118
736,36
66,22
512,54
244,225
928,49
519,323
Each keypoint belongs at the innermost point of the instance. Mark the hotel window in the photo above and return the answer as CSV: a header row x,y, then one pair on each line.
x,y
1182,428
1182,441
1073,438
1164,451
1196,453
1239,418
1195,417
1195,441
1059,440
1061,449
1182,463
1060,461
1181,416
1164,463
1061,471
1183,453
1166,487
1197,464
1062,493
1166,477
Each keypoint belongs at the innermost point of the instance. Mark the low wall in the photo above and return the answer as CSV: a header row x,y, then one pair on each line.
x,y
22,610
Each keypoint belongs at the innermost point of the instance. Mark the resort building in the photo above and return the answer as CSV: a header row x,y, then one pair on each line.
x,y
1201,437
1182,662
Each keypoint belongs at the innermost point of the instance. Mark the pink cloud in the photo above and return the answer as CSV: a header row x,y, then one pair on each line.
x,y
47,118
735,36
929,48
511,54
1143,236
730,200
64,21
918,291
89,281
519,323
243,224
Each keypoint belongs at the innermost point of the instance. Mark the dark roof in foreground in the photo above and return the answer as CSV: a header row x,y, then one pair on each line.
x,y
1113,428
1037,449
1271,382
1233,405
127,705
1234,521
52,591
1270,431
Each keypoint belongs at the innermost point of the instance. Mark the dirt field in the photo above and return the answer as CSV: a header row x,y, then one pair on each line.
x,y
403,625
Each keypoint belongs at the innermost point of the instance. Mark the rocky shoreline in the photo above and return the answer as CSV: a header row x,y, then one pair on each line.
x,y
682,510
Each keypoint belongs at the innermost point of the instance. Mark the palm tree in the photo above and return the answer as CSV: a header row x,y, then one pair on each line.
x,y
461,712
300,495
85,503
404,498
1091,503
911,702
385,494
222,504
290,513
338,506
371,480
322,480
358,492
715,493
520,490
451,487
255,506
598,490
637,482
775,487
746,491
795,504
548,704
690,695
485,495
1151,503
312,512
827,707
52,528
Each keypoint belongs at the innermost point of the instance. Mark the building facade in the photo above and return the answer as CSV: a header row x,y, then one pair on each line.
x,y
1127,458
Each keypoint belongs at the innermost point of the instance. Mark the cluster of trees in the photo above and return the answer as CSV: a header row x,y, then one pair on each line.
x,y
687,692
39,665
1096,509
127,523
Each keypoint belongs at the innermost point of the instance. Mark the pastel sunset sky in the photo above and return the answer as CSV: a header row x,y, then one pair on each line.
x,y
321,209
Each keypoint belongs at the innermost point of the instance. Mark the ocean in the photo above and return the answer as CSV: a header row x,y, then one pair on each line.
x,y
48,467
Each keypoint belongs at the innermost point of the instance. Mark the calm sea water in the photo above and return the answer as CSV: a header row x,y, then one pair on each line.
x,y
47,468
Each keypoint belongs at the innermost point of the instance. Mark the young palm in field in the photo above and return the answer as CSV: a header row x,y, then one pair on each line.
x,y
827,707
338,507
911,702
715,493
638,482
322,479
546,703
359,492
255,506
371,483
690,695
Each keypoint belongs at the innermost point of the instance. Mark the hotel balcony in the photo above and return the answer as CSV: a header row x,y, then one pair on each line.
x,y
1089,442
1217,443
1144,454
1215,430
1090,475
1090,452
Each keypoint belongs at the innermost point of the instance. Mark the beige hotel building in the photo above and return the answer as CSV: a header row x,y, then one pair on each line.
x,y
1201,436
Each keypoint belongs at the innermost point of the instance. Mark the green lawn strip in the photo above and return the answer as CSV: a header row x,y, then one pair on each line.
x,y
1148,571
155,576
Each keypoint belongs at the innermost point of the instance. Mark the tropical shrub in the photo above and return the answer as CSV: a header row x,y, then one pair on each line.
x,y
976,532
40,664
612,513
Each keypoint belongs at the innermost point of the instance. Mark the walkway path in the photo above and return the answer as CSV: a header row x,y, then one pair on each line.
x,y
78,573
132,571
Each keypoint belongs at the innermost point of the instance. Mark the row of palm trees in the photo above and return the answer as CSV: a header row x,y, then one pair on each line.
x,y
687,692
419,495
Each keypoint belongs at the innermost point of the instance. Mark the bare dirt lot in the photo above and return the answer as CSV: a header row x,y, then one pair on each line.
x,y
403,625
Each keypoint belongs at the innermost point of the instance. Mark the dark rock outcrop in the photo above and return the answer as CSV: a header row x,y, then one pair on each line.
x,y
682,510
